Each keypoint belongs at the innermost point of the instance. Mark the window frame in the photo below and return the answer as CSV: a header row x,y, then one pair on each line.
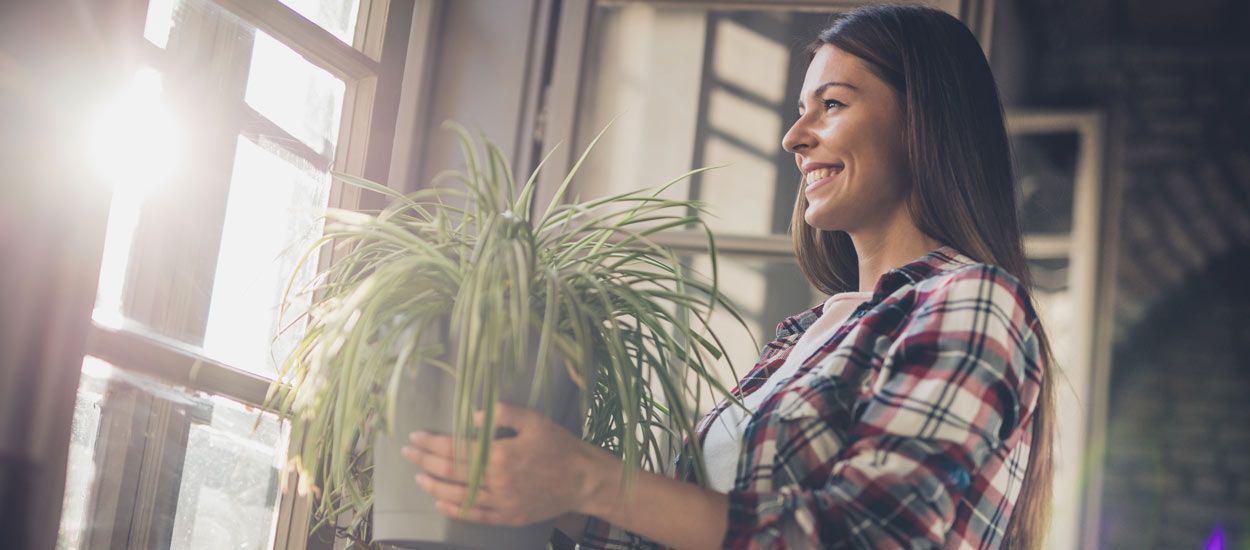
x,y
1089,246
373,70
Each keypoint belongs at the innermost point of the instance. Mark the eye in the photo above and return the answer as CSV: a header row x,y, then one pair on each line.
x,y
831,103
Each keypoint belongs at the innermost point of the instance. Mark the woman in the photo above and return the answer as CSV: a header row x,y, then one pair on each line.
x,y
913,408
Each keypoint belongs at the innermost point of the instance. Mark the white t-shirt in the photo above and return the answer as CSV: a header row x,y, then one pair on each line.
x,y
723,442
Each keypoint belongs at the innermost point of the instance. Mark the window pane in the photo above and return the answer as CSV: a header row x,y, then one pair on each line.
x,y
134,148
299,97
203,255
230,480
765,291
80,471
273,214
1060,312
160,21
224,482
697,87
1047,173
336,16
1055,305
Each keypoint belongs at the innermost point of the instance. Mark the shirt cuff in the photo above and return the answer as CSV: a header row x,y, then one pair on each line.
x,y
769,519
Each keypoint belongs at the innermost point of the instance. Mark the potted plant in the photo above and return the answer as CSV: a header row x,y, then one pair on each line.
x,y
454,298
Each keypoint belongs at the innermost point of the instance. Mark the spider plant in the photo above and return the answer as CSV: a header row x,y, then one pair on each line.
x,y
582,282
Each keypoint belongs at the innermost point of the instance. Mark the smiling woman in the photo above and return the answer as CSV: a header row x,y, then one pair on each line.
x,y
912,408
848,143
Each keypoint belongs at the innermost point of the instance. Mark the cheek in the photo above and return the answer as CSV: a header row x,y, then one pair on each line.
x,y
882,159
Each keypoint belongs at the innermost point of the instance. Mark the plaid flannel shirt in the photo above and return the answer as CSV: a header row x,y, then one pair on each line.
x,y
909,428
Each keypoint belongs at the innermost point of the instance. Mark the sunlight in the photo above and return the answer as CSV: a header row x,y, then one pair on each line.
x,y
134,140
272,216
133,147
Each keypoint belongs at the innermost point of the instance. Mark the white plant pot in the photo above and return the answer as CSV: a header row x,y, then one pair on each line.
x,y
404,514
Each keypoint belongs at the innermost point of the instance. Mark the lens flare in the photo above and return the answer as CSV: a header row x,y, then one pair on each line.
x,y
1217,540
133,143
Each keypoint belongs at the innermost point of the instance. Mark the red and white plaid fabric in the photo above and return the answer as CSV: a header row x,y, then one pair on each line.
x,y
909,428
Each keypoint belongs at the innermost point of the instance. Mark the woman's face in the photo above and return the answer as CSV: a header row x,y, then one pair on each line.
x,y
848,143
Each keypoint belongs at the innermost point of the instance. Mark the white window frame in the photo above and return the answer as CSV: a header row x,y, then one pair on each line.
x,y
1082,387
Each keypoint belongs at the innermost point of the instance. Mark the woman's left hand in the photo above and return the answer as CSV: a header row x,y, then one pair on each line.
x,y
541,473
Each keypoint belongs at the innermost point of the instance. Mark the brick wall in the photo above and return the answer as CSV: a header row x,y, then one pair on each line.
x,y
1177,461
1178,449
1184,129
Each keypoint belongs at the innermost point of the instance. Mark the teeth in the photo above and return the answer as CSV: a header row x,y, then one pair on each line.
x,y
820,173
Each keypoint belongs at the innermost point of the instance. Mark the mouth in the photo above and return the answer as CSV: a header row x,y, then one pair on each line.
x,y
820,174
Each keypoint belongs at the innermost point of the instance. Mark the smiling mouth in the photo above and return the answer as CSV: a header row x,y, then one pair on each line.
x,y
822,173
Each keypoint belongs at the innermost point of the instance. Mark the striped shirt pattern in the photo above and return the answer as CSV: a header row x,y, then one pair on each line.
x,y
908,428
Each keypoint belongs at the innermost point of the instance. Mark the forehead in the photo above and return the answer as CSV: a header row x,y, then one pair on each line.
x,y
833,64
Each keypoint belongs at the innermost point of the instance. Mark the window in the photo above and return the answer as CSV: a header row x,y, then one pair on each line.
x,y
219,152
1059,161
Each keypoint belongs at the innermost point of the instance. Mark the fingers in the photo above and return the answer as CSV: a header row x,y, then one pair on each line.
x,y
436,444
451,492
437,455
437,465
481,515
450,498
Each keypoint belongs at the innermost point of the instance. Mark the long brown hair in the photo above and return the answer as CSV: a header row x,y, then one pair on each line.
x,y
963,185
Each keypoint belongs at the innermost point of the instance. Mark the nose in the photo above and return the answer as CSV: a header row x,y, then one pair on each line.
x,y
799,137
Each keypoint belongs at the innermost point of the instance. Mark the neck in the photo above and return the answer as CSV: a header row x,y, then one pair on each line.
x,y
888,247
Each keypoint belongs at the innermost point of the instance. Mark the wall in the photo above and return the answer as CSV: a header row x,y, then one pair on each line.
x,y
1176,87
1183,126
1177,466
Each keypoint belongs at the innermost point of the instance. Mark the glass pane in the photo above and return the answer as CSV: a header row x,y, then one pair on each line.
x,y
134,147
202,252
80,471
1050,275
273,214
1055,304
230,480
765,291
224,478
1060,315
160,21
336,16
717,86
1047,173
299,97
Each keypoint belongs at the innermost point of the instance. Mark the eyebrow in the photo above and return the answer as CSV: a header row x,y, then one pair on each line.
x,y
821,89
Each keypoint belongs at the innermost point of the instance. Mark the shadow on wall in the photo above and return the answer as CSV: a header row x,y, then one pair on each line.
x,y
1178,440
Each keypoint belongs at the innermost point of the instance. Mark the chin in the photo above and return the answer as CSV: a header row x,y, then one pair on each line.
x,y
822,222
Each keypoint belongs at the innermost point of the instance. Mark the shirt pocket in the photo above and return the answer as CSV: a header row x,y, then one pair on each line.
x,y
810,426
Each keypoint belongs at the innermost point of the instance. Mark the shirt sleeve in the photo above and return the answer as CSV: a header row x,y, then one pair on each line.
x,y
603,535
960,379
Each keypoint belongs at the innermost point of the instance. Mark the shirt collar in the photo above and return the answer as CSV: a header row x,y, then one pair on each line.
x,y
933,263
